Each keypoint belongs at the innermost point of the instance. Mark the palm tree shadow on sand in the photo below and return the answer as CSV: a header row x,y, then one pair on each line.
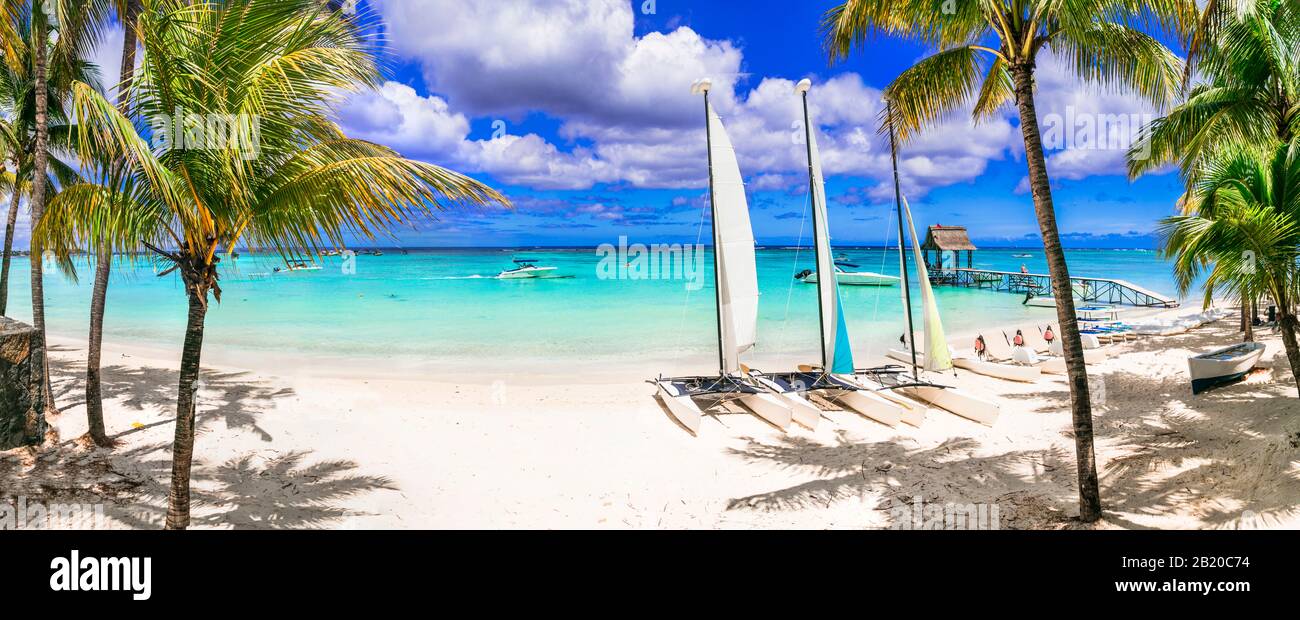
x,y
1223,458
265,489
898,474
252,491
232,397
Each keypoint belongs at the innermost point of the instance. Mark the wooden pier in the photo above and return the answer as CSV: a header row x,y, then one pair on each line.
x,y
1102,290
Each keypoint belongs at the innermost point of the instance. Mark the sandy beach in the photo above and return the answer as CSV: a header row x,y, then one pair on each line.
x,y
292,446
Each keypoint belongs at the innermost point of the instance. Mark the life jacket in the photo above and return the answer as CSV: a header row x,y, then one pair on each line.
x,y
1019,340
979,344
1048,335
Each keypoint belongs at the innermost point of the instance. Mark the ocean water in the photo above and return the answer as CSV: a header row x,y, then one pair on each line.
x,y
442,311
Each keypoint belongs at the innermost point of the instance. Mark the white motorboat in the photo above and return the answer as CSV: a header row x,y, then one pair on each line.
x,y
525,269
296,265
850,278
1224,365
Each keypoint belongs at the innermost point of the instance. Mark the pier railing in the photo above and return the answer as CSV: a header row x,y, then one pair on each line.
x,y
1103,290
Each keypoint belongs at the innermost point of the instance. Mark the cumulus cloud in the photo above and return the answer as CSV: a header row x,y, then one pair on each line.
x,y
627,116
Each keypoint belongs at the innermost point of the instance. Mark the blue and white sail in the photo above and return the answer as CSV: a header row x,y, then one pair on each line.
x,y
837,353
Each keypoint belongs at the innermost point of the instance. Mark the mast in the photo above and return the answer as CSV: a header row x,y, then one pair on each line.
x,y
704,86
812,195
902,256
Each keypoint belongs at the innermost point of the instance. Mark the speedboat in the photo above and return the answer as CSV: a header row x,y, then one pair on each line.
x,y
851,278
296,265
1224,365
525,269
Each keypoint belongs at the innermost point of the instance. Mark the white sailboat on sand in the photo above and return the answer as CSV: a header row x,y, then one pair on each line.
x,y
834,378
935,356
736,287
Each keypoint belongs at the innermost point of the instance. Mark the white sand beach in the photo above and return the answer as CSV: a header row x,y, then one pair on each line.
x,y
291,446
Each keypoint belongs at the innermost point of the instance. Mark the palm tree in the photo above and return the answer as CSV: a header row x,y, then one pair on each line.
x,y
1250,93
1240,227
293,183
52,67
127,10
988,51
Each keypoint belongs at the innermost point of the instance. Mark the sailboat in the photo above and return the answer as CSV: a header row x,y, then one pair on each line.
x,y
935,356
736,290
834,378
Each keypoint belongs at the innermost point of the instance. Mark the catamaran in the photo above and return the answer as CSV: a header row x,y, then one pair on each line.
x,y
936,356
736,295
834,379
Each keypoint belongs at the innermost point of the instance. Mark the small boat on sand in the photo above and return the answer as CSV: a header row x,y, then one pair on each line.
x,y
1224,365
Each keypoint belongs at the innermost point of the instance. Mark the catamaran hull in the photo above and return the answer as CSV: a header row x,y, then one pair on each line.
x,y
871,406
957,401
681,405
802,412
770,407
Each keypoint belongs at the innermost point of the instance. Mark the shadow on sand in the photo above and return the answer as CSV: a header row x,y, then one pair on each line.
x,y
266,489
1224,457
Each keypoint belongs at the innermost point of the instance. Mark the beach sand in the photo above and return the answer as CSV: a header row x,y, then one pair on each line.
x,y
298,445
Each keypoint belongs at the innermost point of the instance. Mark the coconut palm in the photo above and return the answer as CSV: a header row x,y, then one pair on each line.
x,y
1249,62
34,85
1241,229
127,10
988,52
290,181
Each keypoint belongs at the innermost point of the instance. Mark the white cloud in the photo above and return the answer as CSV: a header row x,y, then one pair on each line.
x,y
624,102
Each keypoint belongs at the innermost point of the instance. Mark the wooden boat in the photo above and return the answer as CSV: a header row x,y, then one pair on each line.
x,y
1224,365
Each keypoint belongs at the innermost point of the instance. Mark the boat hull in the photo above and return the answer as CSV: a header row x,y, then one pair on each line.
x,y
865,278
1223,366
957,401
1010,372
680,404
527,274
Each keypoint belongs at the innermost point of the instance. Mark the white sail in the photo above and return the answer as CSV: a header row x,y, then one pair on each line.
x,y
837,354
734,244
935,351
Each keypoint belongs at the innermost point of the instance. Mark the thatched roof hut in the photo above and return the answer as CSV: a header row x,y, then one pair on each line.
x,y
948,238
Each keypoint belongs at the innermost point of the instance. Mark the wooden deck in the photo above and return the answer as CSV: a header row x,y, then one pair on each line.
x,y
1105,290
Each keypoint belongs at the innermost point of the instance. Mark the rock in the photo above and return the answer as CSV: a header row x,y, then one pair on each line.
x,y
17,388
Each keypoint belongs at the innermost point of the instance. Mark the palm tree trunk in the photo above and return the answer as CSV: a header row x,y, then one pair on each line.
x,y
10,225
40,365
1081,405
178,502
1288,325
1248,318
104,258
94,350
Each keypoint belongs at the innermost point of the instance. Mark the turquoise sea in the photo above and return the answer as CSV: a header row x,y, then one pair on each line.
x,y
442,311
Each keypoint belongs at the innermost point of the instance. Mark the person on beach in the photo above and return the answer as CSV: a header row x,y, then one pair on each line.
x,y
1023,268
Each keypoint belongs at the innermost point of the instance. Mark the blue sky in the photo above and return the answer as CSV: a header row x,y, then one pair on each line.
x,y
580,112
